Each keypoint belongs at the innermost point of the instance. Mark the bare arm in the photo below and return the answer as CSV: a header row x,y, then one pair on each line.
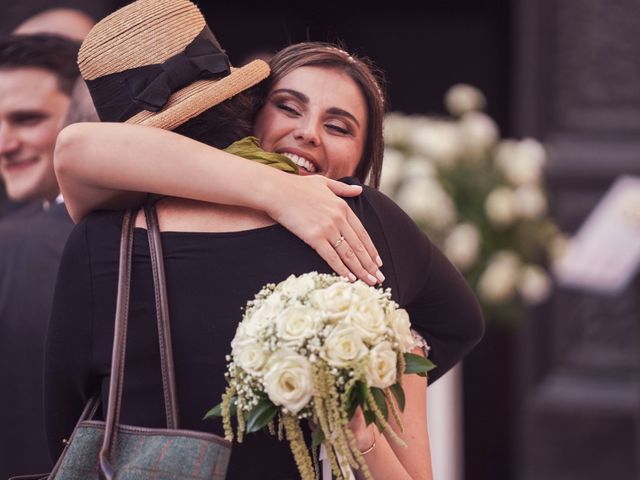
x,y
106,165
387,459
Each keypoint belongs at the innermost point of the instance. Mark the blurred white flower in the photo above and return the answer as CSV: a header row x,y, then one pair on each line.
x,y
439,140
498,282
462,245
534,285
396,128
417,167
479,133
392,168
425,200
500,207
521,162
558,246
530,202
462,98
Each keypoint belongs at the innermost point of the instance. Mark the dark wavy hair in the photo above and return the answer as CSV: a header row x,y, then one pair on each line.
x,y
223,124
364,73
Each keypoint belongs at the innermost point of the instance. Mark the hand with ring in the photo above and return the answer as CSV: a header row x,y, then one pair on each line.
x,y
326,223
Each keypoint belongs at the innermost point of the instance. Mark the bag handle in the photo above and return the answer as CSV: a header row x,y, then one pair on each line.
x,y
120,334
162,314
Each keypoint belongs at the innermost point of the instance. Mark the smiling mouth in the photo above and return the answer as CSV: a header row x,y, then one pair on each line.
x,y
15,166
301,162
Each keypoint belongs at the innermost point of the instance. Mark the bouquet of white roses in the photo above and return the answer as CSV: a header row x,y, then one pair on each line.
x,y
316,347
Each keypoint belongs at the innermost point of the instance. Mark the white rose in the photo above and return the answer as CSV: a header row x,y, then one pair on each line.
x,y
439,140
250,357
521,162
480,133
462,245
425,200
381,368
534,285
294,324
297,286
399,319
343,347
287,380
500,206
463,98
334,301
530,201
368,318
253,325
497,283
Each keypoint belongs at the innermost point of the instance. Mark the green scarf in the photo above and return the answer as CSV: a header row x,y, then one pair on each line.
x,y
249,148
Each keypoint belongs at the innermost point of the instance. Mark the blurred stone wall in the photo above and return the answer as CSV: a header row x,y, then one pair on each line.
x,y
577,71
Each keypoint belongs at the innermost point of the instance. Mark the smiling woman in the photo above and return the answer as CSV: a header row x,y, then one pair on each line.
x,y
323,134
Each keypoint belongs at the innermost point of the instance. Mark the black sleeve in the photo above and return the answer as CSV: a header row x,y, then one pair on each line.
x,y
67,381
441,305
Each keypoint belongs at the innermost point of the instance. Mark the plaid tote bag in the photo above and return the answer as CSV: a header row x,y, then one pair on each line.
x,y
106,450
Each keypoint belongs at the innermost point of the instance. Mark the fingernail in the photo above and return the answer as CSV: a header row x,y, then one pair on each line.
x,y
372,279
379,261
352,277
380,276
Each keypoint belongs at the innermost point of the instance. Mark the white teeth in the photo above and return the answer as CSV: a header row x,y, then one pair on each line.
x,y
301,162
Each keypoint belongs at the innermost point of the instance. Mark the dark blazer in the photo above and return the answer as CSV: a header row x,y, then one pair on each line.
x,y
30,250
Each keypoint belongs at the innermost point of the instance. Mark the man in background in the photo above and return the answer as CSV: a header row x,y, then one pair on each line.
x,y
37,76
66,22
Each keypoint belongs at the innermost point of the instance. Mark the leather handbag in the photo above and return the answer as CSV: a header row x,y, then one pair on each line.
x,y
107,450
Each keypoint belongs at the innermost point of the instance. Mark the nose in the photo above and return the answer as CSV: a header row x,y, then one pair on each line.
x,y
9,141
308,132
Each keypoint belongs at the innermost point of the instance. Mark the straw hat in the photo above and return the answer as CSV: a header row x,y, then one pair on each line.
x,y
155,62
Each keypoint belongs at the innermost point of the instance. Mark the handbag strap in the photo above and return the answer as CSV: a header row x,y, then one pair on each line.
x,y
120,334
162,314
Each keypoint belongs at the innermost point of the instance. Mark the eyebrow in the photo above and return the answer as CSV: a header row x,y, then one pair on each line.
x,y
304,99
28,113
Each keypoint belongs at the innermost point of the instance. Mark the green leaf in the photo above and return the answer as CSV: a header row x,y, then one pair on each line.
x,y
317,438
352,403
398,392
217,410
362,392
369,416
381,401
261,415
417,364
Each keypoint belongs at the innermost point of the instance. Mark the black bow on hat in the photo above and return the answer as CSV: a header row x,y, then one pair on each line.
x,y
119,96
151,88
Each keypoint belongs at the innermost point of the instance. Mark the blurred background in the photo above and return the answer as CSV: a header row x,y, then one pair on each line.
x,y
511,119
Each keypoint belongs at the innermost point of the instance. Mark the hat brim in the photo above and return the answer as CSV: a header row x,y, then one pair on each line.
x,y
192,100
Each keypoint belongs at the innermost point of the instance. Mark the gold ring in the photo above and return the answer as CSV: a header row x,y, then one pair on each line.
x,y
338,242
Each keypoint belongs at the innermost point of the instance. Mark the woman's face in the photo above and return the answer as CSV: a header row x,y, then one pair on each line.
x,y
318,118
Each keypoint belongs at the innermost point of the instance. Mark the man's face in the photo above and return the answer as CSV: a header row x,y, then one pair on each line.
x,y
32,111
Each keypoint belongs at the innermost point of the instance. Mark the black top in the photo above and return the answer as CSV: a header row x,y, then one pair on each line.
x,y
31,244
210,276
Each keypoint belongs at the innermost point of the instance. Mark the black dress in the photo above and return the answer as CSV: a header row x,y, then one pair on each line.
x,y
210,276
